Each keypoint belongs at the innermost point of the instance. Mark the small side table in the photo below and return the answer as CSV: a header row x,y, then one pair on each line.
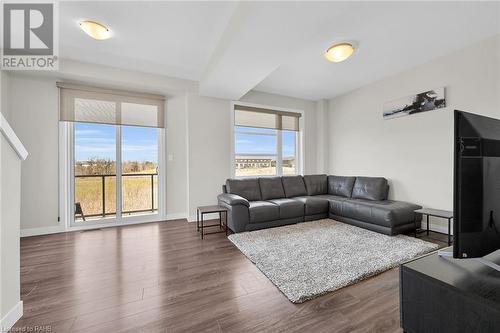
x,y
444,214
202,210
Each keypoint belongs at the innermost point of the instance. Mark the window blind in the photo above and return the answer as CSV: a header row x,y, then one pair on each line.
x,y
266,118
108,106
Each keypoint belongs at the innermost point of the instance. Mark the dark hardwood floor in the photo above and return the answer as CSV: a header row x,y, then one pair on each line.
x,y
161,277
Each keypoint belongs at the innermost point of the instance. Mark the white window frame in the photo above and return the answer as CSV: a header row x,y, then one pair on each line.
x,y
67,184
279,158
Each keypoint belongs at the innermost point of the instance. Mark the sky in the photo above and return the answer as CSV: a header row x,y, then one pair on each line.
x,y
263,141
99,140
140,143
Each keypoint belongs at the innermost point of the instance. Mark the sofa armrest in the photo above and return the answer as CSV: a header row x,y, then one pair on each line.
x,y
232,199
237,211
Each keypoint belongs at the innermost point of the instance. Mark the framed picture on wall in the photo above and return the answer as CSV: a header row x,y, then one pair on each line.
x,y
429,100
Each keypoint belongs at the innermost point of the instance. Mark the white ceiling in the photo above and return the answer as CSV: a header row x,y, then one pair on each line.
x,y
392,37
277,47
170,38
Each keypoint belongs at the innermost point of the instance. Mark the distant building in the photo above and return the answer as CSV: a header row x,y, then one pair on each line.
x,y
260,161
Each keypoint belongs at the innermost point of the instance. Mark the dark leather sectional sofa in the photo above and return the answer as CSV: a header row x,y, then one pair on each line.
x,y
256,203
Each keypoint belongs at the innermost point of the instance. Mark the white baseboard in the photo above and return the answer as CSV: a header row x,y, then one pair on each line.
x,y
11,317
42,231
176,216
211,216
59,228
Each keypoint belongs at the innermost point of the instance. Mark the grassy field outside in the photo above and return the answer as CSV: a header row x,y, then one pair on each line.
x,y
136,193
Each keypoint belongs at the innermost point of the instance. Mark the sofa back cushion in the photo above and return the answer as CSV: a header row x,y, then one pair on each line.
x,y
316,184
271,188
341,185
371,188
294,186
247,188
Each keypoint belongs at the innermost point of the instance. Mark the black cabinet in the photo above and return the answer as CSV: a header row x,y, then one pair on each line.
x,y
449,295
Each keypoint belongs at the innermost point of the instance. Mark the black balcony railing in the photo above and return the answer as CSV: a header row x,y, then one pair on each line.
x,y
103,195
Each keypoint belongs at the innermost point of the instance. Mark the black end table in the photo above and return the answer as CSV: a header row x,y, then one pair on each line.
x,y
444,214
202,210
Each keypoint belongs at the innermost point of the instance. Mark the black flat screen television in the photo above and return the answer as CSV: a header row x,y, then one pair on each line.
x,y
476,206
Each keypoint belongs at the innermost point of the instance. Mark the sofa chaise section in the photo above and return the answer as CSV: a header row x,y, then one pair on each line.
x,y
362,201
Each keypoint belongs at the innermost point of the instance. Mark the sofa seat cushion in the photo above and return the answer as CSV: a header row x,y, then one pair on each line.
x,y
289,208
263,211
386,213
313,205
335,202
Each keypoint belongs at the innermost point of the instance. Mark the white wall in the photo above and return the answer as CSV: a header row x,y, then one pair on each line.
x,y
198,137
322,144
10,281
10,196
414,152
2,87
34,118
4,94
209,149
177,156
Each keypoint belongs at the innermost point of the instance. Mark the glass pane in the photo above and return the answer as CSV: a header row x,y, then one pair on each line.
x,y
255,151
95,169
289,158
139,170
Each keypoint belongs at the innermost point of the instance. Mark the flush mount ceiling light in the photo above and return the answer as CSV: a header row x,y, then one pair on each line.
x,y
95,30
339,52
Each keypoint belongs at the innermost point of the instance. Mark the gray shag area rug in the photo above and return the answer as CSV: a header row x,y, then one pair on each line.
x,y
307,260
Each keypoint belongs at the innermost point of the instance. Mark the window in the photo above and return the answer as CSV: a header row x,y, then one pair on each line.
x,y
265,142
255,151
114,140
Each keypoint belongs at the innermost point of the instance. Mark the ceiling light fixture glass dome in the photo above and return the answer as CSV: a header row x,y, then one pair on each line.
x,y
339,52
95,30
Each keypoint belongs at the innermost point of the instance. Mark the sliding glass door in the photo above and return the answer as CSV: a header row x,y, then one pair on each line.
x,y
115,172
94,171
139,170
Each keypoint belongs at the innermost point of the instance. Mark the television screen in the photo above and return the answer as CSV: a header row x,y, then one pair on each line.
x,y
476,205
